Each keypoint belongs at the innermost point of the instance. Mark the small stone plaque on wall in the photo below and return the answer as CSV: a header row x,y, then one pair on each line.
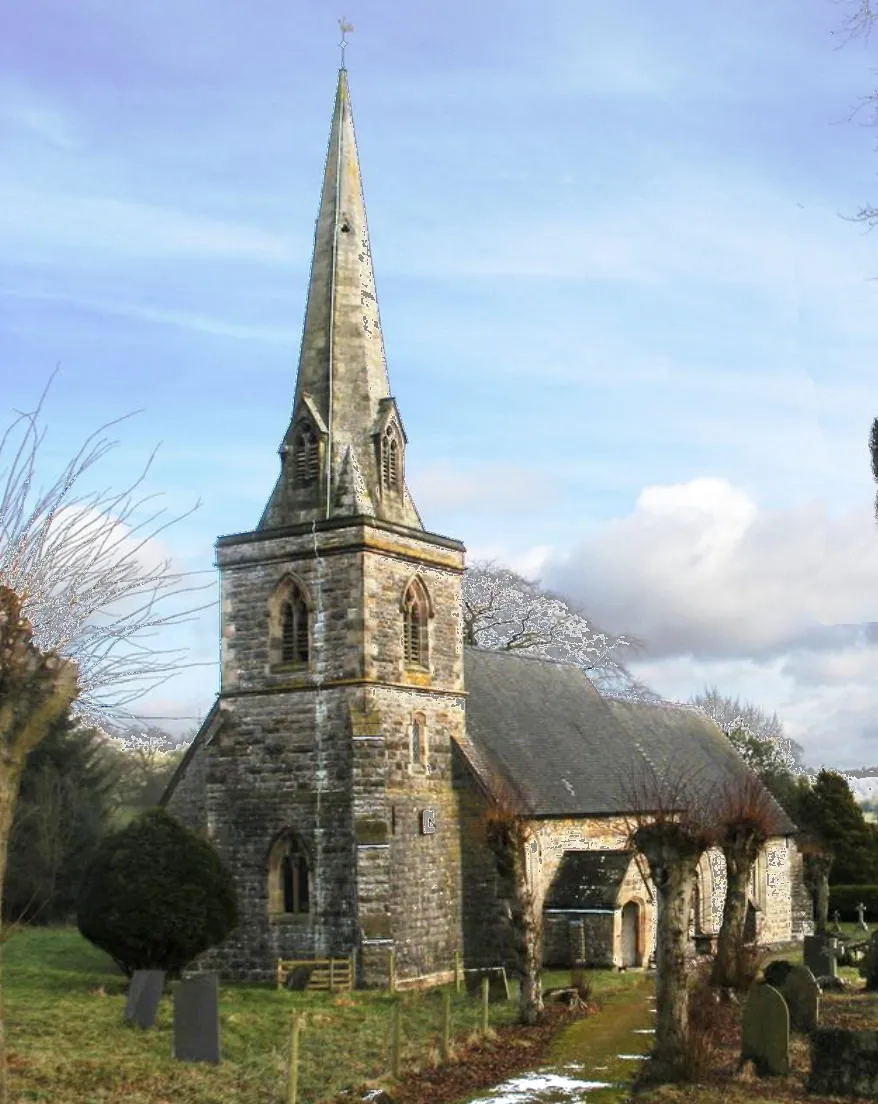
x,y
428,822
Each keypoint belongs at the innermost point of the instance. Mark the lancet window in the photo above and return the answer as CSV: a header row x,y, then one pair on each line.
x,y
415,613
288,877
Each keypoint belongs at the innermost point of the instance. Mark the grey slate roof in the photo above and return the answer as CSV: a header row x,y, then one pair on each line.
x,y
563,748
588,879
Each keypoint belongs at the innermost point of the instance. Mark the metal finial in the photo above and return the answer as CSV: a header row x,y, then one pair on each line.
x,y
345,27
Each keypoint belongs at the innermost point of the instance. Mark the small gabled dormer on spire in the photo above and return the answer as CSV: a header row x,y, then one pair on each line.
x,y
344,452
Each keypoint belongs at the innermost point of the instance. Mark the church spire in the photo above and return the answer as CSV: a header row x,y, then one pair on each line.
x,y
344,451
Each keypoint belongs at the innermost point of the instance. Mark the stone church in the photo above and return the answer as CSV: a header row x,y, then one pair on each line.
x,y
345,769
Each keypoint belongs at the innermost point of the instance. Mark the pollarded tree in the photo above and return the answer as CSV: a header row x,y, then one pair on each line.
x,y
671,823
506,612
873,451
745,817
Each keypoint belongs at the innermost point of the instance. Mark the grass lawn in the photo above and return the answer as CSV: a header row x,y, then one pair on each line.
x,y
68,1043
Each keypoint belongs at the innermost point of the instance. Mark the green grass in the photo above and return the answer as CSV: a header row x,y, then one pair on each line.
x,y
68,1043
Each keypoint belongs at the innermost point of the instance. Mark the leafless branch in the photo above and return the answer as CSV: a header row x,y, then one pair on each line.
x,y
77,561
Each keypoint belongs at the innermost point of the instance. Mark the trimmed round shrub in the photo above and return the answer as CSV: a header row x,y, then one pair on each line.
x,y
156,895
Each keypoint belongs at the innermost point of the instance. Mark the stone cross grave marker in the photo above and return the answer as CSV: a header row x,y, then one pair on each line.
x,y
196,1019
765,1032
861,912
802,994
144,994
498,986
819,953
836,918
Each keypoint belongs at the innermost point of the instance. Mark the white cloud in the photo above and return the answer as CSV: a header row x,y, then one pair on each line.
x,y
697,568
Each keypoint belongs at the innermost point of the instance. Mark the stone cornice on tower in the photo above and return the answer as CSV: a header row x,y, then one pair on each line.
x,y
342,404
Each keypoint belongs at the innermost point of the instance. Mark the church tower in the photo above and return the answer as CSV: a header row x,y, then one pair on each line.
x,y
327,767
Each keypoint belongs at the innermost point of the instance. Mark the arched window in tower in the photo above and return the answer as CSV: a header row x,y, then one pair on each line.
x,y
391,460
294,629
415,612
306,457
289,617
288,890
419,739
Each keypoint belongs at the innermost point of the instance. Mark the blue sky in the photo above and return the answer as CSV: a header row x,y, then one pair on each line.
x,y
631,337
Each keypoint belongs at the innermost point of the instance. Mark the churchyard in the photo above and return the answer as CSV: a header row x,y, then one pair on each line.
x,y
68,1042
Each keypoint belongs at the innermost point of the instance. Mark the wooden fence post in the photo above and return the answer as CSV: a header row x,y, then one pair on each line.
x,y
396,1039
485,984
293,1079
444,1046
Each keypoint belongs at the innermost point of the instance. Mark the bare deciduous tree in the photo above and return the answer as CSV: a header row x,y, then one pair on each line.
x,y
77,604
506,612
745,816
671,824
759,738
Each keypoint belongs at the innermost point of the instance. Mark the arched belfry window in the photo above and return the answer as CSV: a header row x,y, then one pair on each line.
x,y
391,459
288,877
306,457
290,631
415,611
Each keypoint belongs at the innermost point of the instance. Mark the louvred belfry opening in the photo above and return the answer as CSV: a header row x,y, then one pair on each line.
x,y
306,458
390,464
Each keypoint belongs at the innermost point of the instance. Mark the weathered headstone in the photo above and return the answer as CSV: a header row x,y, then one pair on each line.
x,y
861,914
144,994
869,966
498,986
765,1032
819,953
802,994
196,1019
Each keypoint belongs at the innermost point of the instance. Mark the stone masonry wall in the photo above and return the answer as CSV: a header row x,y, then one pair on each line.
x,y
321,751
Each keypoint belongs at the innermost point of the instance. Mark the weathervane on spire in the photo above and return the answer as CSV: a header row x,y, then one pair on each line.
x,y
345,27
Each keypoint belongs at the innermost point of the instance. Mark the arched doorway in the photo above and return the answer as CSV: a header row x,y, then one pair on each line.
x,y
631,934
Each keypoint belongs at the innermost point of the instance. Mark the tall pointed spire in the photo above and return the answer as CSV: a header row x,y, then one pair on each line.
x,y
343,454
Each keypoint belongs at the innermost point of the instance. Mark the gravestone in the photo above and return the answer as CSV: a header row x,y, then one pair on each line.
x,y
869,966
196,1019
144,994
802,994
765,1032
498,987
819,953
844,1063
861,914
